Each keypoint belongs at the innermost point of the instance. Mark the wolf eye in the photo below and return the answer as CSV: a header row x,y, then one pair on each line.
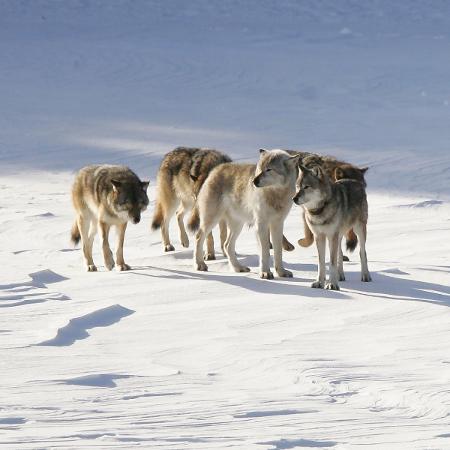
x,y
306,187
268,170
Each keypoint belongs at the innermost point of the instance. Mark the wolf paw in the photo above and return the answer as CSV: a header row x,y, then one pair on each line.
x,y
266,275
366,277
92,268
123,267
284,273
202,267
109,264
169,248
332,286
317,285
287,246
241,269
210,256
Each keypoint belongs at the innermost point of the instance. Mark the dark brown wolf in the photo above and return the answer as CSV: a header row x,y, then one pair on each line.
x,y
180,177
105,196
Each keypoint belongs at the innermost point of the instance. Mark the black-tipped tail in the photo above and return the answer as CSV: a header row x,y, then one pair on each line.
x,y
158,217
75,234
194,220
351,240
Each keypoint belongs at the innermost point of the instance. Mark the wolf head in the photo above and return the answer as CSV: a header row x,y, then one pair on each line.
x,y
275,168
313,186
130,198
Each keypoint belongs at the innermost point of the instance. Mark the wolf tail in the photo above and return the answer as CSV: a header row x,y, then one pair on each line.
x,y
75,234
194,220
351,240
158,217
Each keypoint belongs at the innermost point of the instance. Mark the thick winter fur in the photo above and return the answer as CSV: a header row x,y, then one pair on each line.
x,y
246,193
105,196
336,170
331,209
180,177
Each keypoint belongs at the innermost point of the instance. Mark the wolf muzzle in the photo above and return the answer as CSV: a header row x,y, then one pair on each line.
x,y
256,181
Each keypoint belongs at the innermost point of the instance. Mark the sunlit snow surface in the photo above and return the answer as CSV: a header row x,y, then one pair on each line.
x,y
166,357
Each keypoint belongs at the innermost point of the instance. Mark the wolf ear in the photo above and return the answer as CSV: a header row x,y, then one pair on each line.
x,y
144,185
364,170
294,160
317,172
116,185
262,150
303,168
338,173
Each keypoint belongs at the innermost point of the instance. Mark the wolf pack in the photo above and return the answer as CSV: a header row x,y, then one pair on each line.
x,y
205,188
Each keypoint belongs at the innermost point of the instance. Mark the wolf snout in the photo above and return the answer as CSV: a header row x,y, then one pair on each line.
x,y
256,181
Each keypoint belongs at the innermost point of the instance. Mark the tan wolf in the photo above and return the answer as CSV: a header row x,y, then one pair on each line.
x,y
104,196
331,209
247,193
180,177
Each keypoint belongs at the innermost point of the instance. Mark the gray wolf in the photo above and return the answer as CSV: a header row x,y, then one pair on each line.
x,y
105,196
180,177
247,193
331,209
336,170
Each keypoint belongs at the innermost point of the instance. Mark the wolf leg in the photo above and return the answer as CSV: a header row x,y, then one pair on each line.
x,y
168,213
262,231
199,263
210,254
121,265
223,234
320,244
361,232
333,242
309,237
276,231
180,219
235,229
107,253
87,239
340,262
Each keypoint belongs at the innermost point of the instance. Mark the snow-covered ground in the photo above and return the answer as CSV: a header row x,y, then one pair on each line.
x,y
165,357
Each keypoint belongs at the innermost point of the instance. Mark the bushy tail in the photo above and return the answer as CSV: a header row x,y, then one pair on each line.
x,y
351,240
194,220
308,240
75,234
158,217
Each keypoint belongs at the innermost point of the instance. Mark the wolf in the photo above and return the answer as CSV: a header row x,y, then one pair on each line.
x,y
331,209
103,196
336,170
180,177
258,194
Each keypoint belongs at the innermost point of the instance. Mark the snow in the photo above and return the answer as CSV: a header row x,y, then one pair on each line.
x,y
166,357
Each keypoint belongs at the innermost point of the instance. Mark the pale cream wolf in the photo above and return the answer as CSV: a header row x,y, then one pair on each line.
x,y
331,210
247,193
180,177
103,196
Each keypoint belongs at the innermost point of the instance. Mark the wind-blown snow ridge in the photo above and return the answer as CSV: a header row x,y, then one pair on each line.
x,y
77,328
